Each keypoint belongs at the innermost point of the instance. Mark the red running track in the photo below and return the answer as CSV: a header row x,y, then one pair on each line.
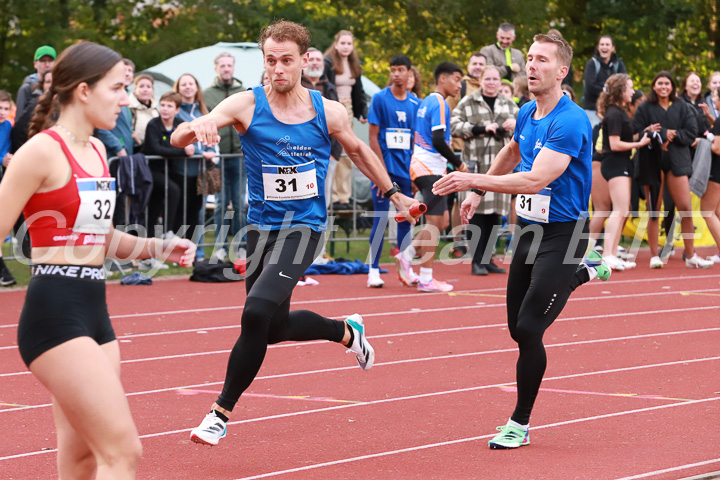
x,y
631,391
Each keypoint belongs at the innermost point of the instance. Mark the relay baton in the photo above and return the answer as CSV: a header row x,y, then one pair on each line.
x,y
415,211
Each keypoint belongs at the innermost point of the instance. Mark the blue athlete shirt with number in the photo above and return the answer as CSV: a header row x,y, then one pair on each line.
x,y
565,130
433,114
396,119
286,167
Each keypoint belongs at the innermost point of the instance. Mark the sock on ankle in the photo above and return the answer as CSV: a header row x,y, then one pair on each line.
x,y
592,272
352,335
426,274
515,424
409,253
221,416
374,272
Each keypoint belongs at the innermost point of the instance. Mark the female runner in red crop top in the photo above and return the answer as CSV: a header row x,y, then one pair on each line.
x,y
60,179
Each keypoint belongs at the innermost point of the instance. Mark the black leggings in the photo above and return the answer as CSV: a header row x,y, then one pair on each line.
x,y
276,261
485,224
537,291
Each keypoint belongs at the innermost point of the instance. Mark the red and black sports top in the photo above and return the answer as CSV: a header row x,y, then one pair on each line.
x,y
78,213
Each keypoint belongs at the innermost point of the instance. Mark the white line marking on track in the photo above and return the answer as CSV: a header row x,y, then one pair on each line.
x,y
427,395
674,469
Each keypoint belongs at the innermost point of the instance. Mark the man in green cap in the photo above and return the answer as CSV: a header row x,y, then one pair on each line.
x,y
43,61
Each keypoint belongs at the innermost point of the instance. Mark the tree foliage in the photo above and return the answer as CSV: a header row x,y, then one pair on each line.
x,y
679,35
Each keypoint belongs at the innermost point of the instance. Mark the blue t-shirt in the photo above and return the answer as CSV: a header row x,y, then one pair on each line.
x,y
565,130
433,114
286,167
5,128
396,119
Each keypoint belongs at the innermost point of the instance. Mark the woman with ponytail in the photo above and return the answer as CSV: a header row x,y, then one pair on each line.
x,y
618,142
60,180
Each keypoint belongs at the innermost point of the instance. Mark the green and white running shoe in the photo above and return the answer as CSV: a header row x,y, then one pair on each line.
x,y
594,259
509,437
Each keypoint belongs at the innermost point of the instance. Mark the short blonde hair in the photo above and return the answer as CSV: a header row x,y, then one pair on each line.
x,y
564,50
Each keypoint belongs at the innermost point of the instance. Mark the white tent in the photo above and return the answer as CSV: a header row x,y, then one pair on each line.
x,y
248,69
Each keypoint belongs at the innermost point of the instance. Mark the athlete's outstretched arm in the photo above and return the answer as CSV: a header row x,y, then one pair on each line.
x,y
362,156
548,166
124,246
234,110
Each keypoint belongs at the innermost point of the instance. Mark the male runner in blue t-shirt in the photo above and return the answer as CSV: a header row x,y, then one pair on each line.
x,y
553,146
431,155
285,132
392,127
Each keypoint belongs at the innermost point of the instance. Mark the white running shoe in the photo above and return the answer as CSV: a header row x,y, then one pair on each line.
x,y
363,351
434,286
624,254
210,431
628,265
714,259
614,262
374,281
404,271
697,262
655,262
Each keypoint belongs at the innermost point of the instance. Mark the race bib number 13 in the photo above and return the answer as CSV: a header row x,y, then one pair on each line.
x,y
290,182
398,138
535,208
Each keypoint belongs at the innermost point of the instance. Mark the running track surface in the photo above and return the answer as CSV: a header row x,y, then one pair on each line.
x,y
632,388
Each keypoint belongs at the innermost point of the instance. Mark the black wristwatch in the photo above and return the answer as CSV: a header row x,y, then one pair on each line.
x,y
477,191
395,188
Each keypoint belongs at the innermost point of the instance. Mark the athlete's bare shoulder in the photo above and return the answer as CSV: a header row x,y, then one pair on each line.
x,y
336,116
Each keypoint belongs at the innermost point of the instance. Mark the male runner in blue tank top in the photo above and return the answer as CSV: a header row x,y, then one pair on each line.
x,y
285,131
553,146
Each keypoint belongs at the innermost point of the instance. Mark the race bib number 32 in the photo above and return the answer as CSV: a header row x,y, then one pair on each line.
x,y
290,182
97,204
535,208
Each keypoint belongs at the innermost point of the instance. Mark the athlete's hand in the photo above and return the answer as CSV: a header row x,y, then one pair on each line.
x,y
671,134
468,207
205,131
644,141
403,204
178,250
455,182
655,127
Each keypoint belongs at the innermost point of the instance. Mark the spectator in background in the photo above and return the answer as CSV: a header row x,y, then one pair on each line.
x,y
469,84
597,70
569,80
510,61
486,120
6,278
710,201
129,73
569,91
667,161
19,134
414,84
342,69
228,222
618,140
712,86
507,90
43,61
143,106
691,92
192,107
522,94
158,133
264,78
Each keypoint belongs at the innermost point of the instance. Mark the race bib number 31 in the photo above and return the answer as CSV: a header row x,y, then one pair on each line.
x,y
97,204
290,182
398,138
535,208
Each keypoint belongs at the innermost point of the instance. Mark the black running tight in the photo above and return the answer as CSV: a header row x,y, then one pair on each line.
x,y
539,285
276,261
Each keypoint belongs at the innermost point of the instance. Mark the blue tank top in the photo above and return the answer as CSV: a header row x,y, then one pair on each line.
x,y
286,167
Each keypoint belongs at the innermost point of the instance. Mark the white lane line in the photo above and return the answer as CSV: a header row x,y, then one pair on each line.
x,y
434,394
414,295
677,469
431,310
465,440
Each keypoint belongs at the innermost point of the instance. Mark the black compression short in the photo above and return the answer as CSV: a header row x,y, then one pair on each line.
x,y
63,302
